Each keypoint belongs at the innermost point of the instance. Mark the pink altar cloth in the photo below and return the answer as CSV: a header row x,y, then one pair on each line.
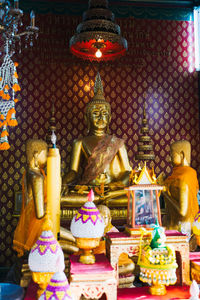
x,y
195,256
101,265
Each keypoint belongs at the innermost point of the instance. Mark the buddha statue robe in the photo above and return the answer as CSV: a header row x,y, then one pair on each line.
x,y
29,226
177,209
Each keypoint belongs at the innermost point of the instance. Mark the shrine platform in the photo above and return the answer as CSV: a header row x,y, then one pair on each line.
x,y
173,293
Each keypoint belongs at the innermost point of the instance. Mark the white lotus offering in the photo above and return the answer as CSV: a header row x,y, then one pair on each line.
x,y
87,227
45,258
58,288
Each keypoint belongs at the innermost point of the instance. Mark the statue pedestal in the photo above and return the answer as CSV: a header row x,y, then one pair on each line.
x,y
119,215
121,242
92,281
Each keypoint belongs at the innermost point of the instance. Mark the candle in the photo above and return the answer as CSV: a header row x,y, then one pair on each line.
x,y
32,16
54,188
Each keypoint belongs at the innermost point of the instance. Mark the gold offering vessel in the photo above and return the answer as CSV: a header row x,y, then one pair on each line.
x,y
87,245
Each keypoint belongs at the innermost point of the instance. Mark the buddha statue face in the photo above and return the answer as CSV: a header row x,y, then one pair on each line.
x,y
99,116
36,153
42,158
180,152
176,158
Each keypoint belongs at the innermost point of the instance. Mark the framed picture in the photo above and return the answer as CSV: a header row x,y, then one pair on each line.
x,y
18,203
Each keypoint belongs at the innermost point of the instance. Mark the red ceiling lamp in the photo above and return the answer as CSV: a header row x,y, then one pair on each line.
x,y
98,38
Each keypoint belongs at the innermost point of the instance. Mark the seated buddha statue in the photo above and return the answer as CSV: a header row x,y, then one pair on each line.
x,y
34,201
98,160
181,187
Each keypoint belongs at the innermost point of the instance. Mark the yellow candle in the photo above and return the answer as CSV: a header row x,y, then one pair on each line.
x,y
54,188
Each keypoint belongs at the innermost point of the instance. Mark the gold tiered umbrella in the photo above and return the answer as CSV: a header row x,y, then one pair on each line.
x,y
145,147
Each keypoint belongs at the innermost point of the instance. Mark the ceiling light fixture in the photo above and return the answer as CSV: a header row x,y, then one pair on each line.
x,y
11,24
98,38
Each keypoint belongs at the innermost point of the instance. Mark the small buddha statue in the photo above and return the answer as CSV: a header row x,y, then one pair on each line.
x,y
34,202
181,187
102,158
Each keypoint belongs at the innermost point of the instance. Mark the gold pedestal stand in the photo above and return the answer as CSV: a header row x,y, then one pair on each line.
x,y
42,279
87,245
157,289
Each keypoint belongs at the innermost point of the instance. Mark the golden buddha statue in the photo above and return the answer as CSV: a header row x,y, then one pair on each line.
x,y
34,201
180,192
103,158
33,197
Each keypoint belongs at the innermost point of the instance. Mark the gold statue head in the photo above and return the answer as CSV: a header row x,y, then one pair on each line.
x,y
180,153
36,153
98,107
105,212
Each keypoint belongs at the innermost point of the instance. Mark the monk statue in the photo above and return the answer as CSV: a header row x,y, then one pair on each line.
x,y
181,187
34,201
33,197
125,264
98,160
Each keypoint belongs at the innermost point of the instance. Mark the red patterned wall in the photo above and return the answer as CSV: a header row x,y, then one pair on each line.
x,y
158,67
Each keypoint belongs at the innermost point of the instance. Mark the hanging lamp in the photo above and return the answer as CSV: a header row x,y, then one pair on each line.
x,y
98,37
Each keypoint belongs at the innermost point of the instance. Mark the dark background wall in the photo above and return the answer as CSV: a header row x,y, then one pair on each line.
x,y
158,67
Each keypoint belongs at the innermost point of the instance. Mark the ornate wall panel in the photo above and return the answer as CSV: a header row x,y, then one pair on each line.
x,y
158,67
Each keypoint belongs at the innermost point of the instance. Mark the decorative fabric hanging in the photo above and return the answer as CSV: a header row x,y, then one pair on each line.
x,y
8,87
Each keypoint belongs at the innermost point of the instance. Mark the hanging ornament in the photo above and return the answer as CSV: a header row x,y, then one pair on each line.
x,y
8,88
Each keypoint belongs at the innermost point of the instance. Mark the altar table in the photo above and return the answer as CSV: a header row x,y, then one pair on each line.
x,y
121,242
173,293
92,281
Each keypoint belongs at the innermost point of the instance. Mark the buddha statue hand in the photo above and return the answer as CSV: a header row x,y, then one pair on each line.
x,y
65,190
161,178
115,185
82,189
67,241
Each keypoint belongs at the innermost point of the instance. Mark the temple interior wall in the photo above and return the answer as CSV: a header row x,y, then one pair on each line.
x,y
158,68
